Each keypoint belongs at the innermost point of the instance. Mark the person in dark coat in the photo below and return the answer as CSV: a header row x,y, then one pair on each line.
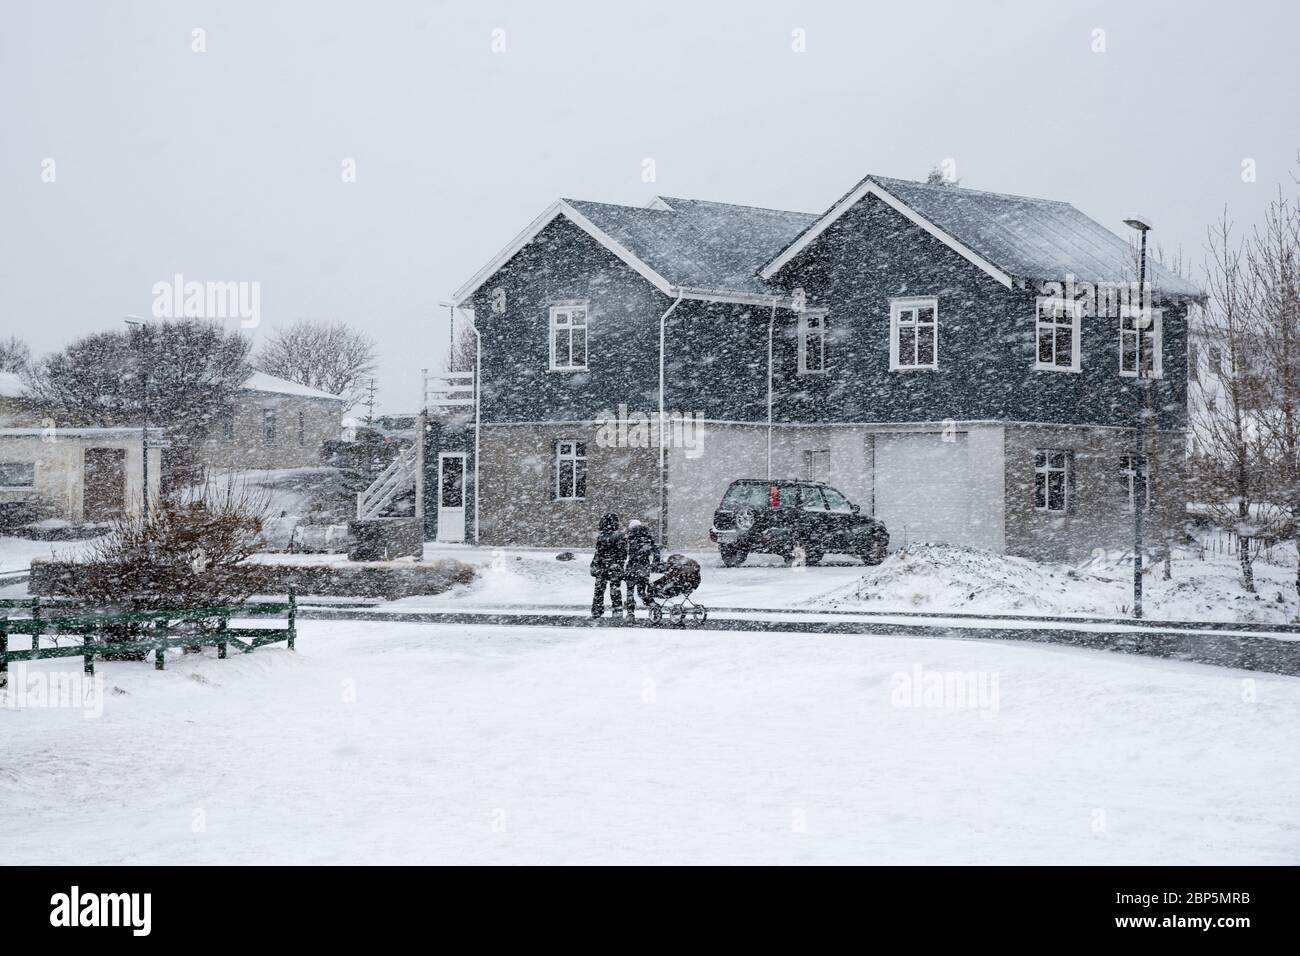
x,y
642,558
607,565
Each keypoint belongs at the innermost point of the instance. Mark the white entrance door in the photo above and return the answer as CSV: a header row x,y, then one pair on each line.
x,y
451,496
923,487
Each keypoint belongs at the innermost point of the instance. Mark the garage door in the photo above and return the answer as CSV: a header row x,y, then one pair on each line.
x,y
923,487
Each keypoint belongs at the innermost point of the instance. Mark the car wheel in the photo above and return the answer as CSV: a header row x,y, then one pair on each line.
x,y
875,550
733,556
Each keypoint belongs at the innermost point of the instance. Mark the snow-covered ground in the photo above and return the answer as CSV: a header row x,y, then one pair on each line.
x,y
932,578
439,744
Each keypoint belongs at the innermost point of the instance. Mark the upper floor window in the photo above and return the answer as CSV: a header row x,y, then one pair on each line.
x,y
268,425
913,333
1057,331
1053,479
812,342
569,337
570,470
1139,347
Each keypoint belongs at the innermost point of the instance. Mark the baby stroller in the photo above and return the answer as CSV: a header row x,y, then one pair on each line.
x,y
671,592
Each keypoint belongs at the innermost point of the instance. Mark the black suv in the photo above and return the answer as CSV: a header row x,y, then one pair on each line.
x,y
782,515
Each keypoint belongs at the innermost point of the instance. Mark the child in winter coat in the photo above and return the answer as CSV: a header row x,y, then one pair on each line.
x,y
607,565
642,558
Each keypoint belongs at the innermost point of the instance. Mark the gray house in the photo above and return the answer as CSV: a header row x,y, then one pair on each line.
x,y
962,364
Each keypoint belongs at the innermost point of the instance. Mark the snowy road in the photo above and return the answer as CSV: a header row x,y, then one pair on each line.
x,y
432,743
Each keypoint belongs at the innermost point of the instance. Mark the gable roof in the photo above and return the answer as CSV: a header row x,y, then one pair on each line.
x,y
712,250
12,386
1010,237
274,385
701,245
685,247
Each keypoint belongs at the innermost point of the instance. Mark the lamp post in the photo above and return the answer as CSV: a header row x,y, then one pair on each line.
x,y
1141,322
137,322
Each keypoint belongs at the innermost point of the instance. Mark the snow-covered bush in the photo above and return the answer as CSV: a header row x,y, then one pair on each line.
x,y
188,552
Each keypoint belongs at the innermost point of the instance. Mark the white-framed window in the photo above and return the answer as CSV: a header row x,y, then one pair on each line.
x,y
1129,476
1216,362
913,334
17,475
570,470
569,336
816,464
268,426
1057,333
812,342
1139,347
1193,362
1053,479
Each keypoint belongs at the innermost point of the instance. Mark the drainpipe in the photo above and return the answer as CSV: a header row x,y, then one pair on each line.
x,y
663,490
771,321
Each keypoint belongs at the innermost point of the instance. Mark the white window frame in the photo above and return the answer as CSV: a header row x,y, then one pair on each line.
x,y
28,487
270,426
560,318
1156,333
912,305
816,464
1073,309
808,330
1046,470
570,452
1129,474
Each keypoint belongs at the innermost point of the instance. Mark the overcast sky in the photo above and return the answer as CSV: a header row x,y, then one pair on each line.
x,y
227,164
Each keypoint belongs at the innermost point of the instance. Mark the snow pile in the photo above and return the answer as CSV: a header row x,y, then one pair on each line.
x,y
934,577
1203,587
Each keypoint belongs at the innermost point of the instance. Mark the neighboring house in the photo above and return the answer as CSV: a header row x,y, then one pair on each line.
x,y
898,346
69,476
274,423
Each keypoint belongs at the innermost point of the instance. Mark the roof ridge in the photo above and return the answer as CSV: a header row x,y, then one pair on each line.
x,y
738,205
874,177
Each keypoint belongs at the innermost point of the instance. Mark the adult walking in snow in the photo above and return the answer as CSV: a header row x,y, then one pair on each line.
x,y
607,565
642,558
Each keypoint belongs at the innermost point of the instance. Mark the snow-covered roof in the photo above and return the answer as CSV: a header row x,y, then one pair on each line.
x,y
273,385
11,386
1021,237
701,245
700,249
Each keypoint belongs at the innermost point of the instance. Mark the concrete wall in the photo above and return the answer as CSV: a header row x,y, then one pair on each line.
x,y
1099,515
247,448
59,490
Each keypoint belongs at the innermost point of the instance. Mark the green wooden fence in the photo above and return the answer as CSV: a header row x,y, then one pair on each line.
x,y
56,618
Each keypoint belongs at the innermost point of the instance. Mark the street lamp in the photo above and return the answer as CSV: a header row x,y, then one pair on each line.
x,y
137,322
1141,322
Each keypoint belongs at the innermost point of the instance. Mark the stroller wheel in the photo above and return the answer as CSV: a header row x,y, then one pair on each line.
x,y
656,615
678,616
699,614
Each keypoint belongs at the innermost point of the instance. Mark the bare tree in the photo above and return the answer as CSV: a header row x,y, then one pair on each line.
x,y
1229,465
330,356
15,356
1273,260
